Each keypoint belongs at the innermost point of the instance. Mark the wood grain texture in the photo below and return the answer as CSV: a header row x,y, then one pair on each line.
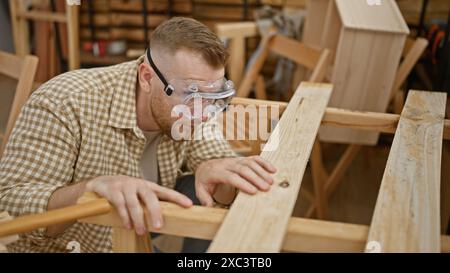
x,y
4,217
127,241
358,120
358,14
406,217
365,44
23,69
364,73
258,223
315,24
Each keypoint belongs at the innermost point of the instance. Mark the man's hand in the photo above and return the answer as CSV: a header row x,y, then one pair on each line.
x,y
127,194
248,174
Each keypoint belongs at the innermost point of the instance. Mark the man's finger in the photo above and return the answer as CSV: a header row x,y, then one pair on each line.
x,y
248,174
152,204
237,181
265,164
260,171
135,211
173,196
119,203
204,197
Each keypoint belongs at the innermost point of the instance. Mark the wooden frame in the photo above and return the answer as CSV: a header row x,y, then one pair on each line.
x,y
324,183
236,33
412,52
22,69
20,17
314,60
4,217
366,43
306,235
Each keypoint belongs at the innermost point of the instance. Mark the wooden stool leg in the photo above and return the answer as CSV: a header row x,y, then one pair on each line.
x,y
19,27
127,241
399,101
73,36
260,88
319,176
336,176
4,217
340,169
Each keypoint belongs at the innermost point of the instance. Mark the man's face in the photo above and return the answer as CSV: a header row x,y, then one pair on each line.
x,y
183,65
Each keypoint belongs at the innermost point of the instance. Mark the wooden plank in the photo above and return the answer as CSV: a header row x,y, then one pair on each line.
x,y
358,120
295,135
358,14
321,68
302,235
253,71
73,36
331,30
238,29
411,58
27,66
260,88
4,217
20,28
10,65
315,22
406,217
364,73
296,51
127,241
319,176
46,16
29,223
237,59
364,50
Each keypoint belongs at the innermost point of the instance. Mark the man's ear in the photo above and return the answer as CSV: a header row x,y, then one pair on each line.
x,y
145,74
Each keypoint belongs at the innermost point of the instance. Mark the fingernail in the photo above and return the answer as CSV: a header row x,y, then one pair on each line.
x,y
140,231
157,224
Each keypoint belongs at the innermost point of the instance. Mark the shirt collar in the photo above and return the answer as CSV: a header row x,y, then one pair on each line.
x,y
122,112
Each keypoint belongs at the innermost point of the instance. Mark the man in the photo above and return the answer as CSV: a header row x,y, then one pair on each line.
x,y
109,131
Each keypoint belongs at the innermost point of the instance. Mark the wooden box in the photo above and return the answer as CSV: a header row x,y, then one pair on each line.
x,y
366,41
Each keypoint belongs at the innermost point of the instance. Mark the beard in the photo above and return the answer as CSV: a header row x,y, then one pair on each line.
x,y
161,112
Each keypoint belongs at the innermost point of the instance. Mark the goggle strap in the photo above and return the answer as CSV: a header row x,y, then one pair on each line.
x,y
167,87
169,90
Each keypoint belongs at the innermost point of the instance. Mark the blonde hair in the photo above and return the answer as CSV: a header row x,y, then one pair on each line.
x,y
186,33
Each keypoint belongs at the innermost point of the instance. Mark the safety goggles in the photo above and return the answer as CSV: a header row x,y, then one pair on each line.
x,y
217,94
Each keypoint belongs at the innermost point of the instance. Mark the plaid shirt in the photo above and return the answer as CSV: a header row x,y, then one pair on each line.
x,y
78,126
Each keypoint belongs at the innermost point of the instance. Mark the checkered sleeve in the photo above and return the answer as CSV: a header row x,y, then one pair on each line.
x,y
39,158
208,143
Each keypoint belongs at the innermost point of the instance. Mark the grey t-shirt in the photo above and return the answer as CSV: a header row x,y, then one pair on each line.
x,y
149,160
